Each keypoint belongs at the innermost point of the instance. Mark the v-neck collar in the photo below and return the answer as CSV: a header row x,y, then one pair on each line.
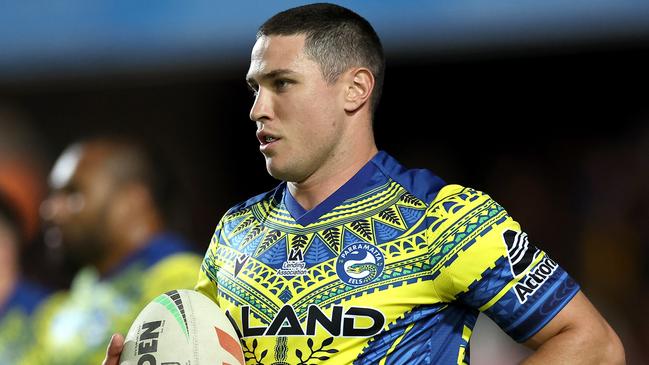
x,y
368,177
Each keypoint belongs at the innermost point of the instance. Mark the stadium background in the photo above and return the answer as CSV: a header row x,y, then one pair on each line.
x,y
541,104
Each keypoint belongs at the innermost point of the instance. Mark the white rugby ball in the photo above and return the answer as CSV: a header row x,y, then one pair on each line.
x,y
181,327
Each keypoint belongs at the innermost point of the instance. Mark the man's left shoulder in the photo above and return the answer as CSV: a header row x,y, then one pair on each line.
x,y
468,211
454,197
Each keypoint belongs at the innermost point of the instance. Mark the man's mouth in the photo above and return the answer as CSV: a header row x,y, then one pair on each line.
x,y
266,138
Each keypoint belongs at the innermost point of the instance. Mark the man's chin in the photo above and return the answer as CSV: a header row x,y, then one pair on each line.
x,y
273,168
275,174
279,173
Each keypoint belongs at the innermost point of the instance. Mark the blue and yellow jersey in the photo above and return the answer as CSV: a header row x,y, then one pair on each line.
x,y
15,320
393,268
74,327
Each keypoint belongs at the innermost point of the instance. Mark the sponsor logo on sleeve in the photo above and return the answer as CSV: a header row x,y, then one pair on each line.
x,y
519,251
534,279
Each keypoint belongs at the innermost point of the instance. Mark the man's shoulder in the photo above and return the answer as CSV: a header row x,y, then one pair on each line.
x,y
273,195
454,201
459,192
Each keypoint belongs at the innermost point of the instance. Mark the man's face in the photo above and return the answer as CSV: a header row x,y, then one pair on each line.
x,y
75,210
299,115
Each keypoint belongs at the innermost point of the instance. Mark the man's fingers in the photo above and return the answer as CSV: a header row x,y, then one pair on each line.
x,y
114,349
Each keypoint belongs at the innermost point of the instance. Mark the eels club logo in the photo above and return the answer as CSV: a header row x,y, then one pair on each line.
x,y
359,264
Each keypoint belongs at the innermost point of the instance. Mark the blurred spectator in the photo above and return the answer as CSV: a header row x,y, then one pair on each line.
x,y
18,297
22,171
108,206
21,188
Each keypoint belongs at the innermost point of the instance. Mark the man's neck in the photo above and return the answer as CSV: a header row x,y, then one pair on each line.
x,y
320,185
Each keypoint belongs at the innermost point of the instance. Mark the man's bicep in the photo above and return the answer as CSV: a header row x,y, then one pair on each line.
x,y
579,314
578,334
522,289
490,265
528,298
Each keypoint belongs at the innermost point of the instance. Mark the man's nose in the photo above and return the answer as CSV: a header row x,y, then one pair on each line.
x,y
262,108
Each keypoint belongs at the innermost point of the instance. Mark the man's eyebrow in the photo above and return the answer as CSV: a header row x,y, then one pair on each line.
x,y
269,75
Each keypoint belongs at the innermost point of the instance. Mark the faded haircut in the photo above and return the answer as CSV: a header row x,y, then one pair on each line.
x,y
336,38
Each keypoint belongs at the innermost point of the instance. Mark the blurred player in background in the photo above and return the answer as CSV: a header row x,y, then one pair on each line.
x,y
18,298
109,204
21,189
354,258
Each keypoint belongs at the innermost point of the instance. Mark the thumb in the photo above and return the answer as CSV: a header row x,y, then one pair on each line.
x,y
114,350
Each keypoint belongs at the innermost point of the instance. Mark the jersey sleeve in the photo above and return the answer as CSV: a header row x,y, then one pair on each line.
x,y
207,276
492,266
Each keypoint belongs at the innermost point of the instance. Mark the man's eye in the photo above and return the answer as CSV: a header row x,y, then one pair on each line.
x,y
281,84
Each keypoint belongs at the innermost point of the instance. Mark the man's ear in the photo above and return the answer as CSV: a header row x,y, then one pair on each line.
x,y
360,83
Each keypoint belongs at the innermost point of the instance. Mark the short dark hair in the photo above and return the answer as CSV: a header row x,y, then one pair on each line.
x,y
336,38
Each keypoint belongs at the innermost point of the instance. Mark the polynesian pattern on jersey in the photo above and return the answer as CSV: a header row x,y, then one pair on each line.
x,y
267,233
416,240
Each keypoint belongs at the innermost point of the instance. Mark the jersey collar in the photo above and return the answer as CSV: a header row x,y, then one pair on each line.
x,y
368,177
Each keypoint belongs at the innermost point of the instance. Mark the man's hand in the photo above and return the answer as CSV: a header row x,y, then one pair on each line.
x,y
115,347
